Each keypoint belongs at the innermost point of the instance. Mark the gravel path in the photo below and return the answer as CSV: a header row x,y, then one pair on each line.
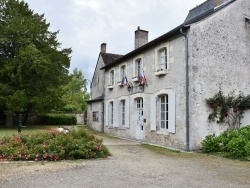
x,y
131,166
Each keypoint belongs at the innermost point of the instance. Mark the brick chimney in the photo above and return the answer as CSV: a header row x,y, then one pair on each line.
x,y
220,2
141,37
103,47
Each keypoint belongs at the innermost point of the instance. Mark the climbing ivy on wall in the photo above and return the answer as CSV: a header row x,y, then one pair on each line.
x,y
228,109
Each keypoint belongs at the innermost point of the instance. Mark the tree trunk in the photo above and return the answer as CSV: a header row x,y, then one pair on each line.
x,y
9,121
26,114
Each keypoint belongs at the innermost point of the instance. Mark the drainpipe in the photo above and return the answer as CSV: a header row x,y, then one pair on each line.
x,y
187,89
102,116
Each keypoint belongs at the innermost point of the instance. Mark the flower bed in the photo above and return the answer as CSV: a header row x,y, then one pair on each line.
x,y
52,146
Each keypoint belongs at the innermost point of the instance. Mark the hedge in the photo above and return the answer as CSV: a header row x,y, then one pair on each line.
x,y
58,119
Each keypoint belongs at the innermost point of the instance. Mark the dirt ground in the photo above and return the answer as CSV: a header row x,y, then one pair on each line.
x,y
129,166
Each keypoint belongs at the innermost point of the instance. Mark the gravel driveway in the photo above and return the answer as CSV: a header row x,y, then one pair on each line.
x,y
130,166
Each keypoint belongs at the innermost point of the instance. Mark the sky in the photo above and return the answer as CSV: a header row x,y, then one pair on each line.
x,y
85,24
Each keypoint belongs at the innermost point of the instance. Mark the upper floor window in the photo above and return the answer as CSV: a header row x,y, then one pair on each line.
x,y
247,23
111,79
162,64
137,68
122,71
122,80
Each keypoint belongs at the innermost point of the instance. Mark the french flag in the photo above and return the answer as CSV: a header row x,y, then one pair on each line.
x,y
124,80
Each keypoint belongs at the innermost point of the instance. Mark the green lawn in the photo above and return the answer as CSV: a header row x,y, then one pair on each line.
x,y
4,131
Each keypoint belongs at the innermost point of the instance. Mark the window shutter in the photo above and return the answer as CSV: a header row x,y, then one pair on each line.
x,y
152,113
127,113
116,113
171,103
106,113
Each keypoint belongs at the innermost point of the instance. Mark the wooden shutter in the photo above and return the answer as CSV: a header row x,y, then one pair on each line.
x,y
106,114
152,113
127,111
116,113
171,111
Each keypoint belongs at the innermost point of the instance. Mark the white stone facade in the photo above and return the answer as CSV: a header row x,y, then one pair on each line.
x,y
218,57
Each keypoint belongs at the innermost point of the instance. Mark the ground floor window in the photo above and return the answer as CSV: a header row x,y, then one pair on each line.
x,y
164,111
123,112
95,116
111,113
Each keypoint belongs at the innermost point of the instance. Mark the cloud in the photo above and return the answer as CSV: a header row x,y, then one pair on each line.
x,y
85,24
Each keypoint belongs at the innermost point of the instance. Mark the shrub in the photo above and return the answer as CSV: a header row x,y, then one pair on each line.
x,y
58,119
236,148
52,146
235,144
210,144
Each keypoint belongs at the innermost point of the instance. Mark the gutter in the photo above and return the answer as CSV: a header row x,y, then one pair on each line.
x,y
187,89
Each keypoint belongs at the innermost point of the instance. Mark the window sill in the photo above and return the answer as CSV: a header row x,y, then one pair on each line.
x,y
161,72
111,87
110,127
119,83
122,128
163,132
135,79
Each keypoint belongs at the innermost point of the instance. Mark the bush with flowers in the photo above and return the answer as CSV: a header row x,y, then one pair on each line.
x,y
52,146
228,108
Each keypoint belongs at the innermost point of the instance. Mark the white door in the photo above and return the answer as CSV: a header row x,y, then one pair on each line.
x,y
139,119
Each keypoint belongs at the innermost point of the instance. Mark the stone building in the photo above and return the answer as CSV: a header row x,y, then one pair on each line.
x,y
156,93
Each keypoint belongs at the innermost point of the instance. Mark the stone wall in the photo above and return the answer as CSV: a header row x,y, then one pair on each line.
x,y
219,58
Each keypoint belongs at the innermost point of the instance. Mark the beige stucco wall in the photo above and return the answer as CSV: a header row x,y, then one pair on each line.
x,y
173,81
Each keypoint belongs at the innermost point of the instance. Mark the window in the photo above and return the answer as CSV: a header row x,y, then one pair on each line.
x,y
139,103
164,111
247,23
111,79
123,112
162,64
137,68
163,59
122,74
95,116
111,113
122,71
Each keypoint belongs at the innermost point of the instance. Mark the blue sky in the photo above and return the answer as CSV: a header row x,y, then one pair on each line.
x,y
85,24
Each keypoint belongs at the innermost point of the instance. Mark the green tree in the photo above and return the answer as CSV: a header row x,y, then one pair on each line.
x,y
33,66
75,95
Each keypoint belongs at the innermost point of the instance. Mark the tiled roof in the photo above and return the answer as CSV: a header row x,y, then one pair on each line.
x,y
109,58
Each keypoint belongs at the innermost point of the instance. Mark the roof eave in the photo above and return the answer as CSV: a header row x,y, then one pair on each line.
x,y
167,35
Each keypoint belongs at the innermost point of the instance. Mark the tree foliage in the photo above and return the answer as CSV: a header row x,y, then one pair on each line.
x,y
33,66
75,95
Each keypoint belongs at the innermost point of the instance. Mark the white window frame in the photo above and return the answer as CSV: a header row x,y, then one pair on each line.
x,y
155,112
123,112
111,113
95,116
163,112
126,112
121,73
159,69
137,59
247,23
111,78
